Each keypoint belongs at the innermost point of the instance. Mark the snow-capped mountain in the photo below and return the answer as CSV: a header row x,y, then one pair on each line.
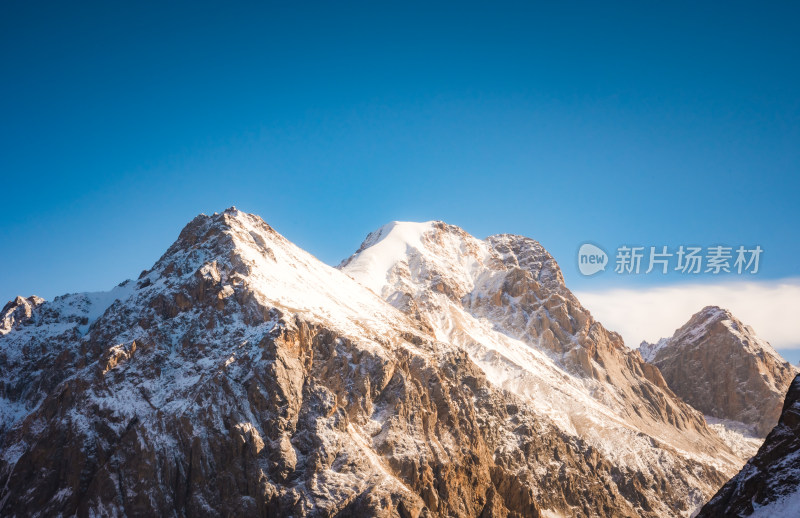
x,y
769,484
503,300
241,376
720,366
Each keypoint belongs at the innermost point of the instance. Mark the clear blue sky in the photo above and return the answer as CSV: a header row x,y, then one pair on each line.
x,y
667,123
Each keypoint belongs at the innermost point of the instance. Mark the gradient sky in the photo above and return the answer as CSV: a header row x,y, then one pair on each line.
x,y
615,123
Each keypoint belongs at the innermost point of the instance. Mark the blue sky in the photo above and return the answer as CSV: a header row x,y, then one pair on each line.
x,y
615,123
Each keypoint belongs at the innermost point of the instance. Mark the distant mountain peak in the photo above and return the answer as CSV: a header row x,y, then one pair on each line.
x,y
720,366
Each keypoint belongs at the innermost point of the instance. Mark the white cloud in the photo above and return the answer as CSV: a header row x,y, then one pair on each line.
x,y
772,308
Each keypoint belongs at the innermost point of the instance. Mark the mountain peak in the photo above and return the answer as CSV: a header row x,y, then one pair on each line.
x,y
441,249
245,254
229,219
504,301
715,312
720,366
207,238
711,314
702,322
396,233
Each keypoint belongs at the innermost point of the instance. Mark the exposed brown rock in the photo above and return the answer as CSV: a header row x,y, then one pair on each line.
x,y
718,365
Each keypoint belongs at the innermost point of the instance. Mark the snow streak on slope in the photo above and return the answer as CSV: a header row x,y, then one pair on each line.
x,y
387,243
578,406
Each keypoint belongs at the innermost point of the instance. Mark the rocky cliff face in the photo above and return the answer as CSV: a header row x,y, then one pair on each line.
x,y
719,366
503,300
768,485
240,376
17,312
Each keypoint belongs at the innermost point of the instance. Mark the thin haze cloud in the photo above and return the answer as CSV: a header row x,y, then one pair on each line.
x,y
770,307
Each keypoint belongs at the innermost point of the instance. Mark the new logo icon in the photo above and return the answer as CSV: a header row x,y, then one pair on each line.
x,y
591,259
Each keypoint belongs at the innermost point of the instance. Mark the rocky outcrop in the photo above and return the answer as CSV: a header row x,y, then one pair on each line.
x,y
718,365
768,484
17,312
240,376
